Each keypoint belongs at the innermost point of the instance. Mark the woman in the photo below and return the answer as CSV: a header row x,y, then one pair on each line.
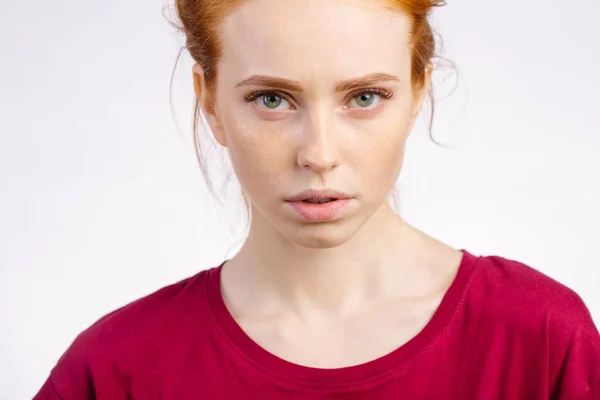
x,y
332,295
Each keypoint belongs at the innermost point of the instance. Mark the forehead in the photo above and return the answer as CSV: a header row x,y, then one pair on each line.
x,y
309,38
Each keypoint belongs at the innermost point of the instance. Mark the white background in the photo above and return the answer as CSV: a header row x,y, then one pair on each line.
x,y
101,201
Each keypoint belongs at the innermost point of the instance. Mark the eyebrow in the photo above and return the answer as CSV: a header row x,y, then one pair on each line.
x,y
364,81
295,86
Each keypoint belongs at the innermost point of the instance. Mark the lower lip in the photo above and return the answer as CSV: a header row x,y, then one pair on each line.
x,y
324,212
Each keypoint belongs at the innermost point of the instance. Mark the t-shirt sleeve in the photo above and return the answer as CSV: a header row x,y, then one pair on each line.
x,y
84,371
67,382
47,392
577,340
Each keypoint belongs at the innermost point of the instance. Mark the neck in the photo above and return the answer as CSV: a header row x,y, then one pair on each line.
x,y
272,270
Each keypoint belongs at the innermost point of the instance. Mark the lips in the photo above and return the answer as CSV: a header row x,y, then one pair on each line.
x,y
318,201
320,206
319,196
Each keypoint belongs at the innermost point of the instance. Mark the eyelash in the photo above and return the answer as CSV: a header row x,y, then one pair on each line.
x,y
255,95
386,94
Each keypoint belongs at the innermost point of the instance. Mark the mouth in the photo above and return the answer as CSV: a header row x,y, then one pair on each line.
x,y
319,196
320,206
319,201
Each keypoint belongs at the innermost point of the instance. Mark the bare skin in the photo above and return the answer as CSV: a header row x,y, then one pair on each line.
x,y
329,294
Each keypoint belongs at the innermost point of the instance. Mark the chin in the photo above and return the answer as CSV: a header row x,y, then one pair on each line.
x,y
322,236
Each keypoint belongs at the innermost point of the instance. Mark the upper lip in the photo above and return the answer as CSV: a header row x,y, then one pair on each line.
x,y
312,194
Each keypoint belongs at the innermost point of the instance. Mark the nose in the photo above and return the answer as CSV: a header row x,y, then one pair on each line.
x,y
318,150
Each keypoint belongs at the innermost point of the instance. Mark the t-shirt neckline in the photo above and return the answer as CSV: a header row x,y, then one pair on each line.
x,y
357,375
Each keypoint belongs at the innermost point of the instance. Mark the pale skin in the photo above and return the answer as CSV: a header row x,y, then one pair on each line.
x,y
339,293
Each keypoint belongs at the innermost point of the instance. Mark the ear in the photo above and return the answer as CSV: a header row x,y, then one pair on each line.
x,y
207,103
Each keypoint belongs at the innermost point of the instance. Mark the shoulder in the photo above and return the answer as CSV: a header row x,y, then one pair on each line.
x,y
140,316
512,288
527,311
518,301
116,343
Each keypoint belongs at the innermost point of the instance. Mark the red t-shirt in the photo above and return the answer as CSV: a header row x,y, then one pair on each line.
x,y
502,331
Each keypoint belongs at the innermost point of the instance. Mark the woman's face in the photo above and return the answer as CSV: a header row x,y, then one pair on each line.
x,y
315,95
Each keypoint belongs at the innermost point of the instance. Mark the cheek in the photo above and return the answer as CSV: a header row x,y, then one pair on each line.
x,y
259,156
382,153
385,163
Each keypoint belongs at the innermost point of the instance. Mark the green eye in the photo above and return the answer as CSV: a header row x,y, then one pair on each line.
x,y
268,100
369,99
365,99
271,101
